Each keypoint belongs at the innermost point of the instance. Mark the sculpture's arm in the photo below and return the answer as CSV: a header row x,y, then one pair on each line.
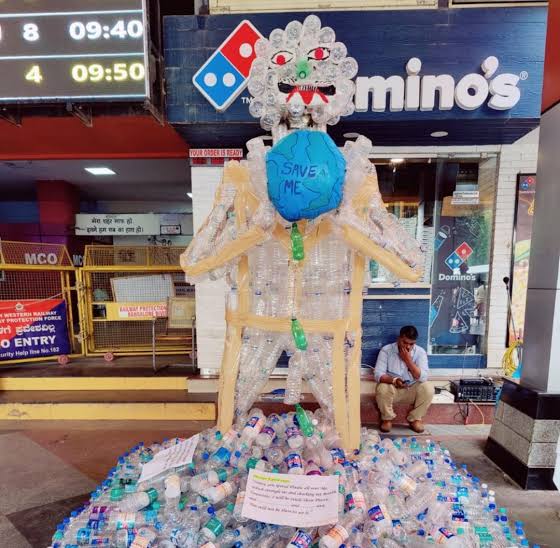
x,y
368,228
221,239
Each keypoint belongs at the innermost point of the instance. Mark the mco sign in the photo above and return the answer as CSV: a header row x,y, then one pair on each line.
x,y
41,258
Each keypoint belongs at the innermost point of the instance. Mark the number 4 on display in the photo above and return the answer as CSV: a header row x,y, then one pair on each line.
x,y
34,74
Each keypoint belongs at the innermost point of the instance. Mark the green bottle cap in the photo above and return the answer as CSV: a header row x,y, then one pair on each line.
x,y
116,494
230,507
222,474
152,494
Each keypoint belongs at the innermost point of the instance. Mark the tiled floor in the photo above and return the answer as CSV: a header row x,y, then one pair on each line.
x,y
49,468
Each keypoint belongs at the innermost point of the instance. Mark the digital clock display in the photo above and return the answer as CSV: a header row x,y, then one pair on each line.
x,y
68,50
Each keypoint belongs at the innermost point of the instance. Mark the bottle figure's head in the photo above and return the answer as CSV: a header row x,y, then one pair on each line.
x,y
301,77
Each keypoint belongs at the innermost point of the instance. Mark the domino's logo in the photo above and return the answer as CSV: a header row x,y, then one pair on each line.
x,y
224,76
459,256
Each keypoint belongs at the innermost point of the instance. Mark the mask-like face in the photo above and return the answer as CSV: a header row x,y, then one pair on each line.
x,y
301,76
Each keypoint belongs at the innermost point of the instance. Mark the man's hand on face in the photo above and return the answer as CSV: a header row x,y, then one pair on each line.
x,y
399,383
403,353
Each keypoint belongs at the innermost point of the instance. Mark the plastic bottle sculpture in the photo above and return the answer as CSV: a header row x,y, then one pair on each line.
x,y
292,229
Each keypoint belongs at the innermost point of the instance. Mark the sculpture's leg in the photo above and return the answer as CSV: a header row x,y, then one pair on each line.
x,y
228,376
256,366
339,391
354,355
353,390
319,372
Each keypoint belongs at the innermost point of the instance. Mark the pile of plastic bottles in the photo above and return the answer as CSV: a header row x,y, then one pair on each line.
x,y
392,493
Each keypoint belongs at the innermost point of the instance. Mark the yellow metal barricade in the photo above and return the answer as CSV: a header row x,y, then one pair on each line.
x,y
39,316
124,300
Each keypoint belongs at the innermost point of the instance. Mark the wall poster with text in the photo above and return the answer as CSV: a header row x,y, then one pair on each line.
x,y
524,212
33,329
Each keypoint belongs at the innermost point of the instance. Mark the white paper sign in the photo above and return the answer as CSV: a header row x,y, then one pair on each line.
x,y
285,499
117,224
178,455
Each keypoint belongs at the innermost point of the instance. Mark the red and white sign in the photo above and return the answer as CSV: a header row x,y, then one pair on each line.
x,y
216,153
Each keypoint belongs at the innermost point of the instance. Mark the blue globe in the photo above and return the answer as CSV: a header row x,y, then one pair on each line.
x,y
305,172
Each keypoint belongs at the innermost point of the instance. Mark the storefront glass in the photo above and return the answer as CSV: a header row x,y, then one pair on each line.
x,y
448,204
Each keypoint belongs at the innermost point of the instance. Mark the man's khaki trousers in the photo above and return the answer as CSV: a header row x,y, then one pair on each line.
x,y
419,395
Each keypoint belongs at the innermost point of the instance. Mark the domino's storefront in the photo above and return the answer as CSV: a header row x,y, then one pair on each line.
x,y
450,100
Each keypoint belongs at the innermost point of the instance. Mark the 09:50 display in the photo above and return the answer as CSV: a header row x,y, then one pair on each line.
x,y
97,72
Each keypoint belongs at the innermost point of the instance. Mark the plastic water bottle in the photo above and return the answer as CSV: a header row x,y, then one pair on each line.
x,y
295,439
341,531
253,426
201,482
301,539
221,491
215,526
137,501
294,462
266,436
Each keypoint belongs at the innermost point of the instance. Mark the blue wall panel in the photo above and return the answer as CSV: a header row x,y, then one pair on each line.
x,y
383,318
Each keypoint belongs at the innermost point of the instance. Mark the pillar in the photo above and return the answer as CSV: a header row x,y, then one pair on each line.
x,y
525,432
210,295
58,203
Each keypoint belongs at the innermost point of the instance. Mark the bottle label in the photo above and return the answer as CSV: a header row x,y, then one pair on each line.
x,y
444,535
254,422
269,432
152,494
125,520
337,456
301,539
446,498
215,526
222,474
100,541
292,432
83,535
338,534
355,500
293,460
462,491
144,538
229,436
407,485
224,489
375,513
240,499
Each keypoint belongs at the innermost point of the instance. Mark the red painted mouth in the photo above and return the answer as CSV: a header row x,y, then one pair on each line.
x,y
307,92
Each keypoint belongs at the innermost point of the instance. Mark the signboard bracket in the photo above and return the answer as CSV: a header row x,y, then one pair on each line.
x,y
11,115
155,112
82,112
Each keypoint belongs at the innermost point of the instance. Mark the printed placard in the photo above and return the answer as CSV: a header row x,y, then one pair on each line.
x,y
177,455
33,329
286,499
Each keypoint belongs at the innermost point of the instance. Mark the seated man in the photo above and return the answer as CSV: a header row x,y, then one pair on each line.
x,y
401,373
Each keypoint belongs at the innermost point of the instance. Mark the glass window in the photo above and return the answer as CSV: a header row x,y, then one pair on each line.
x,y
448,205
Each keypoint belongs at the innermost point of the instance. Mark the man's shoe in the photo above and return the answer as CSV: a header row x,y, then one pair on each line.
x,y
417,426
386,426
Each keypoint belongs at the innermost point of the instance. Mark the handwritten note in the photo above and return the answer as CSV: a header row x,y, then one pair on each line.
x,y
177,455
285,499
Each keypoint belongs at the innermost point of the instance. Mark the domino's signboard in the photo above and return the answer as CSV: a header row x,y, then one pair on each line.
x,y
475,74
222,78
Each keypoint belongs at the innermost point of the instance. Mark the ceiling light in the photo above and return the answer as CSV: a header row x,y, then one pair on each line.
x,y
439,134
397,160
351,135
101,170
189,194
